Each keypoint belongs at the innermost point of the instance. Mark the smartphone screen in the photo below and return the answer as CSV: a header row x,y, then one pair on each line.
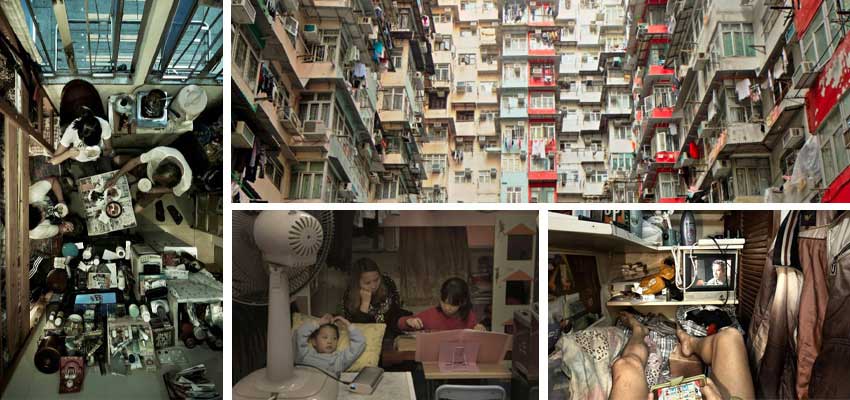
x,y
685,391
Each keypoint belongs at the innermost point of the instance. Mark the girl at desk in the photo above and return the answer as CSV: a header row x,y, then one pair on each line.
x,y
453,312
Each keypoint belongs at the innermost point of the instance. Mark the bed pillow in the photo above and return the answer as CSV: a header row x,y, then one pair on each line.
x,y
374,334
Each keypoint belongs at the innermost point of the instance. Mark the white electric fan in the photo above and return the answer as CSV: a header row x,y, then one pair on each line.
x,y
293,246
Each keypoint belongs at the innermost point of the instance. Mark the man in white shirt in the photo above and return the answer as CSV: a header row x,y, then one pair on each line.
x,y
40,205
85,139
718,270
165,171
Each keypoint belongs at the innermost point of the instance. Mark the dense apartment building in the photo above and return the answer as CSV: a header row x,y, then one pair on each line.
x,y
327,96
540,101
448,101
726,103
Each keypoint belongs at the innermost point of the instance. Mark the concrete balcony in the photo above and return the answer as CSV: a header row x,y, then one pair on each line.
x,y
590,97
469,14
488,96
514,52
487,37
591,39
543,176
516,14
518,83
433,113
465,128
616,109
743,137
542,111
444,28
571,124
590,125
486,128
542,51
571,186
565,68
542,81
515,112
586,155
568,95
488,14
441,84
492,66
592,66
594,189
615,79
541,20
394,116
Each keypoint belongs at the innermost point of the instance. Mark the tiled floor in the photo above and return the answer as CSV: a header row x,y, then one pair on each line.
x,y
28,383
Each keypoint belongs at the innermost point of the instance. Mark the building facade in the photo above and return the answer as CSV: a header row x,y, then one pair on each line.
x,y
724,110
544,101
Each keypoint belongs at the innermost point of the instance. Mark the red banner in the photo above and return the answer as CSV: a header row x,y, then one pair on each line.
x,y
832,83
804,12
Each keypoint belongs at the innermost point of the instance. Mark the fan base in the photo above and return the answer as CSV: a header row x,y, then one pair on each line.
x,y
306,384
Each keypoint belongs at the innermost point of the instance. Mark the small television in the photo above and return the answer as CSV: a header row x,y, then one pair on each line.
x,y
710,274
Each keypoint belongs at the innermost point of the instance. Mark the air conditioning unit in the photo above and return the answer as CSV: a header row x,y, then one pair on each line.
x,y
600,17
438,124
242,137
311,33
353,55
523,155
467,172
436,168
289,119
493,172
793,138
437,188
461,87
805,75
722,168
242,12
700,61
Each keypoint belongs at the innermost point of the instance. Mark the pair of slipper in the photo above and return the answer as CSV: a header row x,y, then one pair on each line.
x,y
160,213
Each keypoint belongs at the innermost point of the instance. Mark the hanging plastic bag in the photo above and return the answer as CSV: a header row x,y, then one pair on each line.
x,y
806,171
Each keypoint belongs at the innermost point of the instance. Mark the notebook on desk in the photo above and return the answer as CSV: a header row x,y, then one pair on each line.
x,y
492,346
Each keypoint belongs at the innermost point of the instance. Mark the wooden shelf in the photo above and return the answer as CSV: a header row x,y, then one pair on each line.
x,y
670,303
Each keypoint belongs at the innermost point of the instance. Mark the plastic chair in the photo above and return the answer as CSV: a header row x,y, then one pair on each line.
x,y
470,392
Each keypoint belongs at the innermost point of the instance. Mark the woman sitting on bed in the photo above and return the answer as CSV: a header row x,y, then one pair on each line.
x,y
371,297
453,312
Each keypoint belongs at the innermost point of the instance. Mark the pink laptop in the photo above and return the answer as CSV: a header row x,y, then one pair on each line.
x,y
464,348
458,357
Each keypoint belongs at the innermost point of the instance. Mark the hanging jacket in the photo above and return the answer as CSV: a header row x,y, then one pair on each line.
x,y
774,321
829,378
813,300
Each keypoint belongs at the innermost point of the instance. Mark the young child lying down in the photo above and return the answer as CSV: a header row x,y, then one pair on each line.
x,y
317,344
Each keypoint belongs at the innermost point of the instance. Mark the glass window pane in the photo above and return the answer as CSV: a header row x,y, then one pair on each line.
x,y
728,49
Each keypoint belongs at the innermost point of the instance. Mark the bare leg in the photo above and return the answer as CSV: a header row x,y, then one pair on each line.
x,y
628,376
726,353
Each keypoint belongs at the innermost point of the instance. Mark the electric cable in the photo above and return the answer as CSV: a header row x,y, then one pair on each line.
x,y
324,372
